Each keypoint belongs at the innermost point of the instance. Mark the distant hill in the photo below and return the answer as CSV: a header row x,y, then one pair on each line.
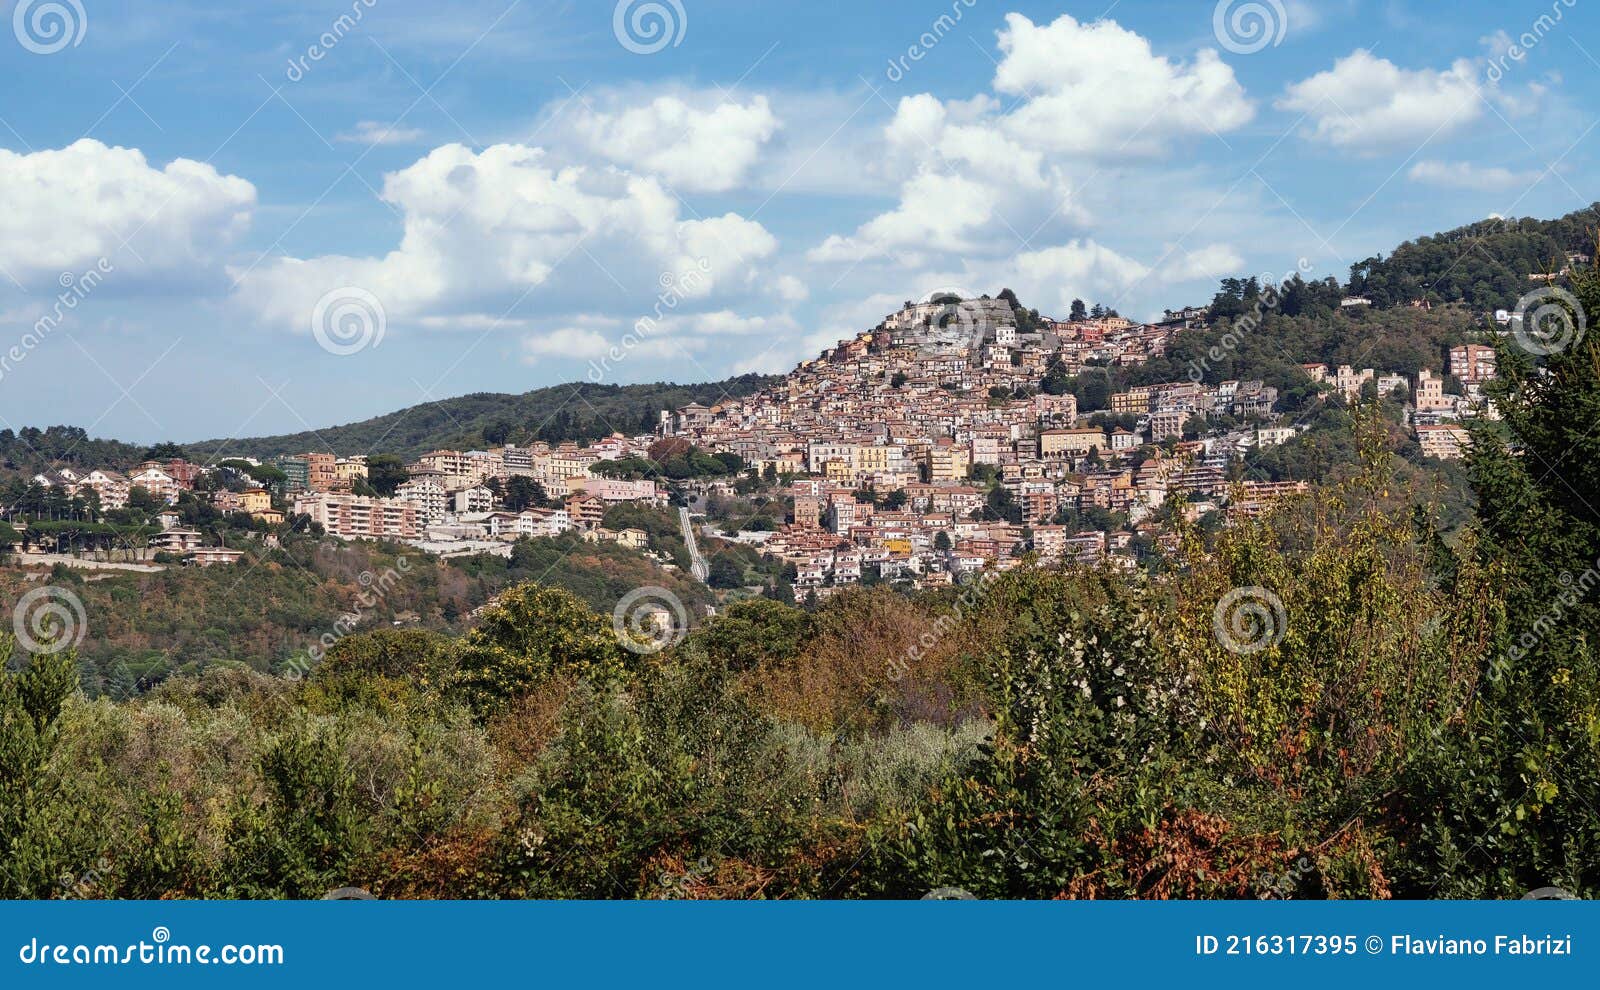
x,y
31,450
576,411
1484,265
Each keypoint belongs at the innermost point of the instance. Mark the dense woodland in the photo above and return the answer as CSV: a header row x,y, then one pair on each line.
x,y
1418,719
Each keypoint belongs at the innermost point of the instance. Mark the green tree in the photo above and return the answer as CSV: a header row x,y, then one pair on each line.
x,y
165,452
1506,801
529,635
385,473
725,572
523,492
38,836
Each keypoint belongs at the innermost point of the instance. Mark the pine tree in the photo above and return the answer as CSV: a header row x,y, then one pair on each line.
x,y
1511,787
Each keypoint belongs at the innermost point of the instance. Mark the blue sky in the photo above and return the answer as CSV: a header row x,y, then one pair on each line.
x,y
295,214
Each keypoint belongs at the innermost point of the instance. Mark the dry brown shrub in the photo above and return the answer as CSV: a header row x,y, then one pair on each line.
x,y
458,865
529,724
852,674
1192,855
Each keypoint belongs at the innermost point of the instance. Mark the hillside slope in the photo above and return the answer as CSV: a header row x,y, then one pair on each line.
x,y
574,411
1484,265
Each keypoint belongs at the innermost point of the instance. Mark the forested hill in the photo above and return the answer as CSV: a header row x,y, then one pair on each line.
x,y
30,450
1485,264
574,411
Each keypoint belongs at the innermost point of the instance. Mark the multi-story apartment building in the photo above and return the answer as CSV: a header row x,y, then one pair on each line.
x,y
947,461
111,486
472,500
1253,398
1444,441
296,473
255,500
587,511
1348,381
615,489
428,495
819,453
1167,424
357,517
1472,364
1134,401
808,511
1271,436
157,482
320,474
567,461
1056,445
517,460
874,459
1429,395
348,470
843,511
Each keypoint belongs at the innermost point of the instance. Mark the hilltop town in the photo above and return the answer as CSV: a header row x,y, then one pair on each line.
x,y
928,447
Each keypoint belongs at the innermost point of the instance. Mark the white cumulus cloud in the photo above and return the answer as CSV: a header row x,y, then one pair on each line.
x,y
698,144
1366,103
67,208
1098,89
485,231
